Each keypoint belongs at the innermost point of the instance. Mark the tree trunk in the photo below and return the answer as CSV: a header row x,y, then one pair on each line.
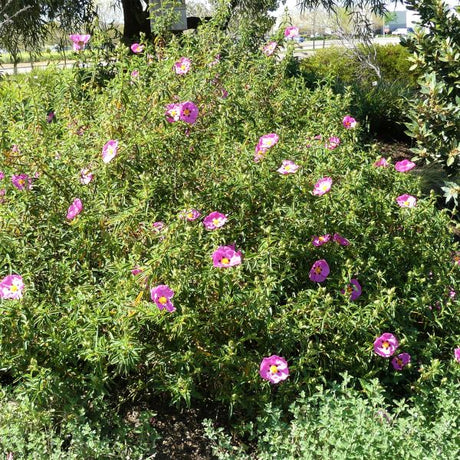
x,y
136,20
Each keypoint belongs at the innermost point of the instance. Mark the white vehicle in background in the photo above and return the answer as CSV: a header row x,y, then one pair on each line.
x,y
403,31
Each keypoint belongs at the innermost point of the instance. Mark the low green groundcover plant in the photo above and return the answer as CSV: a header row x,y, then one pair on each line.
x,y
342,423
172,215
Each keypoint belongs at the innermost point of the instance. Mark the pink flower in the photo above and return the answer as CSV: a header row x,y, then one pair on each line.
x,y
318,137
182,66
457,355
348,122
74,209
291,32
21,181
134,74
188,112
260,153
50,116
11,287
333,143
268,140
320,240
226,256
2,194
404,166
137,48
109,151
319,271
2,175
137,270
381,163
270,48
288,167
353,289
340,239
406,201
173,112
190,215
214,220
158,226
86,176
400,361
386,345
322,186
162,296
79,41
274,369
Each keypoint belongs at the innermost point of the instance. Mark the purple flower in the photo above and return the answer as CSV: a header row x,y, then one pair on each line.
x,y
381,163
404,165
173,112
322,186
333,143
400,361
287,167
406,201
353,289
162,296
268,140
270,48
136,48
109,151
11,287
214,220
320,240
190,215
79,41
74,209
137,270
188,112
158,226
386,345
274,369
291,32
319,271
457,355
21,181
182,66
340,240
226,256
348,122
260,153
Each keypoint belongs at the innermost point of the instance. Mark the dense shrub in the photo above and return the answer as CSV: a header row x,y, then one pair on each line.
x,y
87,330
380,103
341,423
434,112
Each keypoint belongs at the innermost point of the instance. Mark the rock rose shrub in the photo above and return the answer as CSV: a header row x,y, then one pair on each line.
x,y
86,330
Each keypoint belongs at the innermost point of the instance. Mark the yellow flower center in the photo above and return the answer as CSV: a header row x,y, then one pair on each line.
x,y
274,369
287,168
385,344
321,238
13,288
216,221
163,300
224,261
190,215
186,112
399,361
21,181
318,270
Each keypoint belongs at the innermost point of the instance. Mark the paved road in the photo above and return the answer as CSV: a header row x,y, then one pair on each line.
x,y
25,67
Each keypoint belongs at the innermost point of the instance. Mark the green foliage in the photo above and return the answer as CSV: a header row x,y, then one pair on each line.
x,y
378,102
435,112
342,423
86,333
32,433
